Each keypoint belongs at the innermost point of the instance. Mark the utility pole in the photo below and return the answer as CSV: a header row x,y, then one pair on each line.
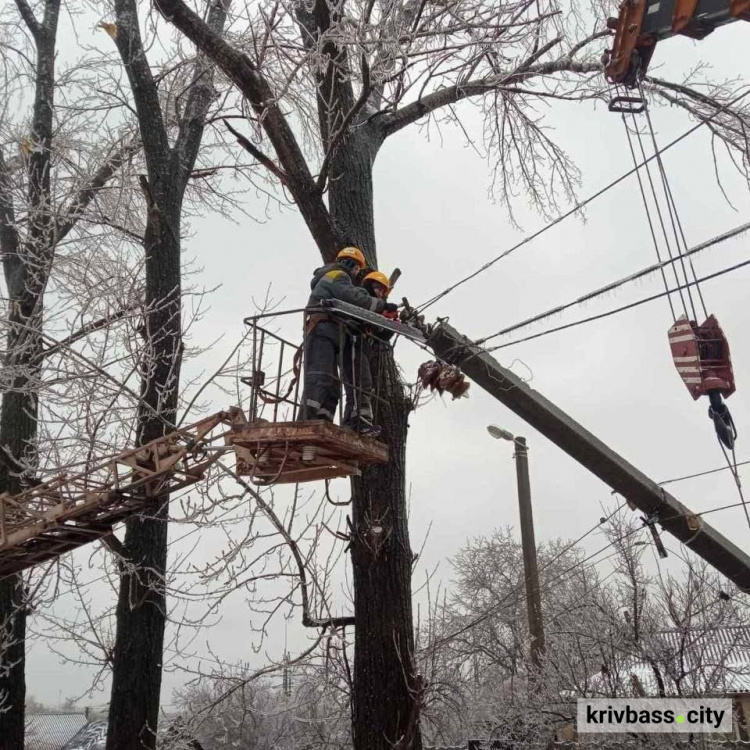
x,y
657,504
528,543
530,569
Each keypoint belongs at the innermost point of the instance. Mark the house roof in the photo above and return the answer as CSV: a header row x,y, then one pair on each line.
x,y
93,736
707,660
50,731
712,646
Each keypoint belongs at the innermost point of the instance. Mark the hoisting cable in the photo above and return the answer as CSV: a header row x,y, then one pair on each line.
x,y
674,215
732,465
726,431
423,306
647,209
679,280
650,221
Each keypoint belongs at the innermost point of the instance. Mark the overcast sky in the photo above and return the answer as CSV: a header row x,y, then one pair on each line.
x,y
435,221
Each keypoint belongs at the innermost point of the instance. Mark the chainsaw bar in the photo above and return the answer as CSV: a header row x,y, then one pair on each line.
x,y
374,319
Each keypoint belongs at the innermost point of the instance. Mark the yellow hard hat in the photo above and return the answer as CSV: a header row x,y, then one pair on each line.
x,y
353,253
380,278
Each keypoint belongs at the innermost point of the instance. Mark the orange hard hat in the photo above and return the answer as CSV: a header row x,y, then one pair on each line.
x,y
380,278
352,253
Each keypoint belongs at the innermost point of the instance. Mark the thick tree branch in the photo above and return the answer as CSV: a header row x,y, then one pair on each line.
x,y
9,240
448,95
127,37
576,48
83,331
254,87
343,129
193,120
29,18
335,94
257,154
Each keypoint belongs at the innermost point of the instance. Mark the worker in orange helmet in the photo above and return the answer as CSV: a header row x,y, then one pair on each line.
x,y
323,346
378,285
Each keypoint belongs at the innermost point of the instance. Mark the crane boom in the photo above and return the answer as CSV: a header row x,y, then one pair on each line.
x,y
642,23
71,510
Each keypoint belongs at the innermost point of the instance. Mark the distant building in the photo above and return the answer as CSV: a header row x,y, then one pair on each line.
x,y
93,736
688,662
51,731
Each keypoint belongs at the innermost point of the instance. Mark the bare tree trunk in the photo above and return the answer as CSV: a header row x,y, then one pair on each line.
x,y
387,690
141,607
26,265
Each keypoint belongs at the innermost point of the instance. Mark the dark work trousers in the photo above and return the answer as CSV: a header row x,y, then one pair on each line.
x,y
326,346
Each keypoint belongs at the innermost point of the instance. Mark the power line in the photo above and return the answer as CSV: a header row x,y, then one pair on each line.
x,y
619,283
701,474
580,205
629,306
505,604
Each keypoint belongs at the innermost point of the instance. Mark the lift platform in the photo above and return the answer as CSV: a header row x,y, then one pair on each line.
x,y
272,446
71,510
277,444
285,452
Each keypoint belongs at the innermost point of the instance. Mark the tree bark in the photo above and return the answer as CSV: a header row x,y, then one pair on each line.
x,y
387,690
141,607
26,265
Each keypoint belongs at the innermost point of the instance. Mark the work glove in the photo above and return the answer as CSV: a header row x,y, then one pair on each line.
x,y
390,314
390,307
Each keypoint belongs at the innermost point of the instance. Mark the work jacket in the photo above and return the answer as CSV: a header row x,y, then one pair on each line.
x,y
334,282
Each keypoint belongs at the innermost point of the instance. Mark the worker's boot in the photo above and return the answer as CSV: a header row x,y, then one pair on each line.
x,y
364,427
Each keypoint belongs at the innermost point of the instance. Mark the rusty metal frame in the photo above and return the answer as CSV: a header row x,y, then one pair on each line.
x,y
69,511
682,15
273,453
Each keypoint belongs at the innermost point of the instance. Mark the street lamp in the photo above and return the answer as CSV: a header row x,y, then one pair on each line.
x,y
499,433
531,571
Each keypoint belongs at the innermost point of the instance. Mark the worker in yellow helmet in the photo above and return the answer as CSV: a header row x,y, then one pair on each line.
x,y
323,346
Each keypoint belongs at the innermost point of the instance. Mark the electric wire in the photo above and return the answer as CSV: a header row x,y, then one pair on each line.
x,y
505,604
616,284
700,474
616,310
705,121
